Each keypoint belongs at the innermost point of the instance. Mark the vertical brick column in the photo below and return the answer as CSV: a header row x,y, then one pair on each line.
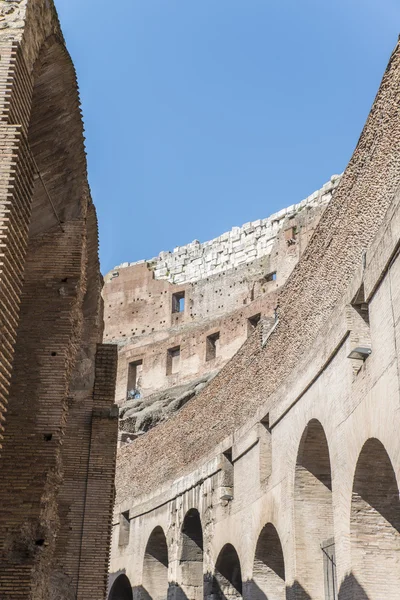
x,y
101,473
16,187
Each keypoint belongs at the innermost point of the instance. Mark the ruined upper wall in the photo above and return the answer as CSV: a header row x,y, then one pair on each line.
x,y
140,310
315,289
240,246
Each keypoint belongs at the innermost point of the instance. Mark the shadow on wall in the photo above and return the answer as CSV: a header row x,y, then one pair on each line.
x,y
226,582
350,590
251,591
121,589
174,592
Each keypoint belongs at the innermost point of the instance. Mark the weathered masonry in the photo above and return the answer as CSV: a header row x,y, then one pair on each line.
x,y
58,420
179,318
280,480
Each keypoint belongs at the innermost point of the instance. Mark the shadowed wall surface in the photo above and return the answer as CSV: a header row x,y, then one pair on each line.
x,y
57,458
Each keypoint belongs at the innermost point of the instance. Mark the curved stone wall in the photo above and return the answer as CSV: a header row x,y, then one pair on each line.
x,y
299,435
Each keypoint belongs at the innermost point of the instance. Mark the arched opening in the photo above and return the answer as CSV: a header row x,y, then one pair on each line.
x,y
375,526
315,547
269,567
191,561
121,589
227,579
155,566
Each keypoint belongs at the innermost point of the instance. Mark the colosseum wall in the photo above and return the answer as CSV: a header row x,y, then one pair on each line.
x,y
280,480
179,318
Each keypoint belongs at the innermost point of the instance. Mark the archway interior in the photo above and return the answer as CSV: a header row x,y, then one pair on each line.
x,y
269,567
191,561
121,589
315,556
375,527
227,581
155,566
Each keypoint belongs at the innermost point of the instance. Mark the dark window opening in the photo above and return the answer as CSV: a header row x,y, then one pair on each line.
x,y
134,379
252,323
212,346
124,528
178,302
290,235
173,360
271,276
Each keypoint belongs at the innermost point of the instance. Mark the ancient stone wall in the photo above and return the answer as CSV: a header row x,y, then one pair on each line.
x,y
240,246
309,297
57,459
218,312
290,456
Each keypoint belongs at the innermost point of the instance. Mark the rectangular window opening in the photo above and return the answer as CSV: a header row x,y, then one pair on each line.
x,y
178,302
252,323
134,379
212,346
173,360
124,528
290,235
271,276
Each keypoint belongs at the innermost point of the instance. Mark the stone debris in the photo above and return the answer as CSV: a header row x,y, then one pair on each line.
x,y
234,248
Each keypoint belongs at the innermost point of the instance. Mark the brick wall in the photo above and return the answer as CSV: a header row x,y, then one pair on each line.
x,y
56,398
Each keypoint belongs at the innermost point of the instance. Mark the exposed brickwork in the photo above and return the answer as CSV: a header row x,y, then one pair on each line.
x,y
143,315
96,534
60,428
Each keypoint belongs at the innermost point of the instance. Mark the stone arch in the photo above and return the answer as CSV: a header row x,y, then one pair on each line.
x,y
269,567
374,527
191,560
155,566
314,532
227,579
121,589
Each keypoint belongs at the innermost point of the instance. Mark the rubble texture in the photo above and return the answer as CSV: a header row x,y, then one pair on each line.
x,y
140,415
241,245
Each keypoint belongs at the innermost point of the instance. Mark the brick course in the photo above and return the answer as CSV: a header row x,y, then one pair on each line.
x,y
59,424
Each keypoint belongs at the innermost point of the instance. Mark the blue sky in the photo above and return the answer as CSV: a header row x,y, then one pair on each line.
x,y
205,114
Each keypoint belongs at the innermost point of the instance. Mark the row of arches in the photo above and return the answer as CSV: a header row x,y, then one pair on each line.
x,y
374,541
